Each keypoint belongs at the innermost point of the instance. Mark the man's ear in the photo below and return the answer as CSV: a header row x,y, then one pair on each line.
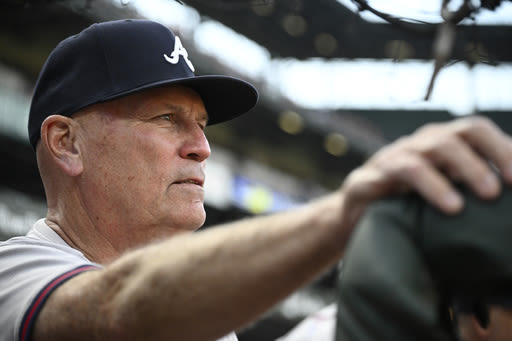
x,y
59,135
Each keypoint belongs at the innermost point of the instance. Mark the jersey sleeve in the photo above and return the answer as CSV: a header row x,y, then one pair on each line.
x,y
30,270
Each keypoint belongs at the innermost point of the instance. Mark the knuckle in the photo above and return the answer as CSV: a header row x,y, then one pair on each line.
x,y
442,132
480,171
478,124
386,152
429,128
446,142
409,169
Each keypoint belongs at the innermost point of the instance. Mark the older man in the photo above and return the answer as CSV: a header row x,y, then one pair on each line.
x,y
117,121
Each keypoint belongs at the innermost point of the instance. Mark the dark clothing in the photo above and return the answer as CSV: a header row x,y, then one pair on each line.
x,y
406,261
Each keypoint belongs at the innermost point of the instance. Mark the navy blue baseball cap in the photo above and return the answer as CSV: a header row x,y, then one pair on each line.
x,y
113,59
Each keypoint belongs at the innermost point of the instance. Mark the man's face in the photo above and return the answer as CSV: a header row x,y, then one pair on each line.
x,y
144,158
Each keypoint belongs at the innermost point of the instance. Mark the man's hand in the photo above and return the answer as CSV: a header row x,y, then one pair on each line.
x,y
461,150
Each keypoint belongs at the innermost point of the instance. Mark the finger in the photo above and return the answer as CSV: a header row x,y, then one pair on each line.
x,y
459,159
430,183
490,141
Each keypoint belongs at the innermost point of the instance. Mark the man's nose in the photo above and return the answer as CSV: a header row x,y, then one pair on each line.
x,y
195,146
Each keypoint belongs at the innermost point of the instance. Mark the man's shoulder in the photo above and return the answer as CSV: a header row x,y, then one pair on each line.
x,y
26,253
40,243
30,268
21,246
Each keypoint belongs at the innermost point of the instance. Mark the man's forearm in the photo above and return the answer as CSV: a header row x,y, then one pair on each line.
x,y
229,275
201,286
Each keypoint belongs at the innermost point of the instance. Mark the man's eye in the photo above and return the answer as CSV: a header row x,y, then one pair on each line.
x,y
167,117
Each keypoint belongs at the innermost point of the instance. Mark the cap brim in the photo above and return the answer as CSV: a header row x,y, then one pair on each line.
x,y
224,97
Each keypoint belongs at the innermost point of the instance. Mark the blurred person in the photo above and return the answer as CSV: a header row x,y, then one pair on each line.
x,y
117,123
413,273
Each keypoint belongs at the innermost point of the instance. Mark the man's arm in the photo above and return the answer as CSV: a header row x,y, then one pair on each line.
x,y
197,286
200,286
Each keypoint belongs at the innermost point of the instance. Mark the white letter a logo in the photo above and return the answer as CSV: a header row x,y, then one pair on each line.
x,y
179,50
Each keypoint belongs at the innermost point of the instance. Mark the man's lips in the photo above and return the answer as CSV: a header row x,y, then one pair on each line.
x,y
198,182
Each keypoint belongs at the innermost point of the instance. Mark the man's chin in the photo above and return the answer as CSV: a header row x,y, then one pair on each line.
x,y
192,222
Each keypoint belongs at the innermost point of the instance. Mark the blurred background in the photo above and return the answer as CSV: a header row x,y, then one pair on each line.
x,y
338,79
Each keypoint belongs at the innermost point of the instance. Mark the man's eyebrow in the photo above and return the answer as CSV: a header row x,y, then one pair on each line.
x,y
175,108
203,116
